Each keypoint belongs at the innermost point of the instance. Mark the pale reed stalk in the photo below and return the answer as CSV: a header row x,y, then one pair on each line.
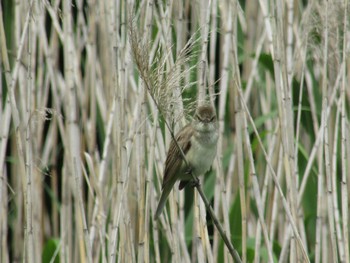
x,y
201,231
276,205
320,198
284,97
240,169
31,246
212,50
202,69
254,66
268,27
273,151
275,180
325,141
18,123
74,136
302,52
345,146
339,237
256,189
224,89
165,41
318,142
71,89
239,121
5,116
211,82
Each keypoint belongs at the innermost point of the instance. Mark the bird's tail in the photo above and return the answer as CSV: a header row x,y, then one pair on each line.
x,y
165,193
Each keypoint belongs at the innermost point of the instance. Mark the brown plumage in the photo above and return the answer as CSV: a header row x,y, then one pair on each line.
x,y
198,143
172,165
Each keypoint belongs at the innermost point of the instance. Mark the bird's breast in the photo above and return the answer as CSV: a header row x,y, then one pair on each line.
x,y
201,156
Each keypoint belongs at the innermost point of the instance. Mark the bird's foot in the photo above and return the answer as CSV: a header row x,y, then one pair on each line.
x,y
195,183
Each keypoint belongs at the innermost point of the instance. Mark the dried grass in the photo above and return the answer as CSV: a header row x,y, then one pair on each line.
x,y
83,142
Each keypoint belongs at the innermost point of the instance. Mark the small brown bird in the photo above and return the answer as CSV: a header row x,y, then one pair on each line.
x,y
198,141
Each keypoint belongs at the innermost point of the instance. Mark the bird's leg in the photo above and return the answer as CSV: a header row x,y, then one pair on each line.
x,y
196,182
193,182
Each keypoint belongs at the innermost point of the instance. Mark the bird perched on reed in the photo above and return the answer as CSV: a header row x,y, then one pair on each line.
x,y
198,141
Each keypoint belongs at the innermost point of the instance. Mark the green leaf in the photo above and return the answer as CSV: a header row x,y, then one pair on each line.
x,y
261,120
51,251
236,221
266,61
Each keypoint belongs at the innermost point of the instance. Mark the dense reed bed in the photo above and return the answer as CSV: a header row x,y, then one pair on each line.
x,y
87,88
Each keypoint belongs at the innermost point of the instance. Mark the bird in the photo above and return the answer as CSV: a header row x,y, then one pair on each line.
x,y
198,142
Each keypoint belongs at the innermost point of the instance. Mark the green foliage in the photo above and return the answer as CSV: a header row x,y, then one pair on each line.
x,y
100,131
306,117
51,251
235,216
265,60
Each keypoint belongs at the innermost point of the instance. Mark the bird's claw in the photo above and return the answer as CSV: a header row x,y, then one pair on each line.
x,y
195,183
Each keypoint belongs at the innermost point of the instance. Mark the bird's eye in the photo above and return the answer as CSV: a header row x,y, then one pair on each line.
x,y
213,118
198,117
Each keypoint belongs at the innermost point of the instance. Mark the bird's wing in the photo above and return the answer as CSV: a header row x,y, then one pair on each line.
x,y
174,158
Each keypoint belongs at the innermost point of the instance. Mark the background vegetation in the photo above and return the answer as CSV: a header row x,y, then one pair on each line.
x,y
82,144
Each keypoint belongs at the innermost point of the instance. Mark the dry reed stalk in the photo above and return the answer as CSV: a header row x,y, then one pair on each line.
x,y
284,97
254,66
329,188
51,117
337,226
4,248
240,167
239,118
273,151
143,69
259,200
73,154
320,214
19,126
212,47
276,206
224,88
290,41
317,143
5,116
31,229
201,231
274,177
211,83
344,147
